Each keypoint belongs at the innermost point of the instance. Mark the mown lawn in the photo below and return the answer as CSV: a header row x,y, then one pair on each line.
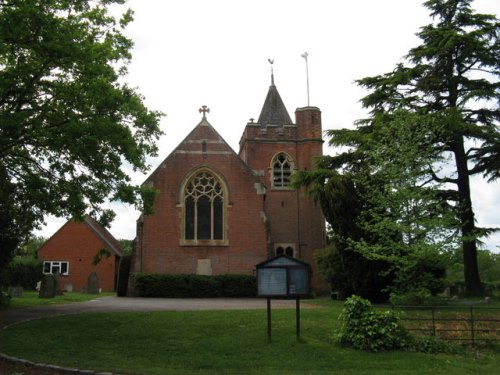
x,y
31,299
218,342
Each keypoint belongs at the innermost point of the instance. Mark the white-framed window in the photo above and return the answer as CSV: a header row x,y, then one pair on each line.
x,y
60,267
285,249
282,168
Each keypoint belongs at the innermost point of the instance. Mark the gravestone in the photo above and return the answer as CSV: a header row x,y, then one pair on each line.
x,y
48,286
93,284
15,291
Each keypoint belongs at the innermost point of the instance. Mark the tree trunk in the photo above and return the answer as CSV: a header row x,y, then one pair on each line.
x,y
473,284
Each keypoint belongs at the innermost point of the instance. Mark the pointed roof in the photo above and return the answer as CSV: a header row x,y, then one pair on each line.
x,y
274,111
97,229
204,132
109,240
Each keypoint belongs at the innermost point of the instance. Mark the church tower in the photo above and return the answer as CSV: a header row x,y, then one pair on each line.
x,y
274,148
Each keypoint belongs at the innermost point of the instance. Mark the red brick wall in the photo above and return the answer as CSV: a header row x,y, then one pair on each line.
x,y
294,217
291,216
77,244
159,248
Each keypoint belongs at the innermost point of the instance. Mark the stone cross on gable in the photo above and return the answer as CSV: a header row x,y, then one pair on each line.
x,y
204,109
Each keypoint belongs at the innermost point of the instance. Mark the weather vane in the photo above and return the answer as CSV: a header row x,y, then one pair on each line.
x,y
305,55
272,71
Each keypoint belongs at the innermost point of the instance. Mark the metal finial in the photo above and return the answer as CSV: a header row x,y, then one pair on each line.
x,y
305,55
272,71
204,109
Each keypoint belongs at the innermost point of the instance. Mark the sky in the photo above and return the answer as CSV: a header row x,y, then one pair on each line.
x,y
215,52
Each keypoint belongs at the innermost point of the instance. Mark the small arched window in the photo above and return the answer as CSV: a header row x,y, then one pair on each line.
x,y
284,249
203,208
281,170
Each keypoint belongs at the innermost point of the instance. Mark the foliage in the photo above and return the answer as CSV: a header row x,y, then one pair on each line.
x,y
5,299
368,329
450,82
433,124
24,272
126,245
29,248
123,275
421,271
349,272
416,297
101,254
488,263
184,286
433,345
69,125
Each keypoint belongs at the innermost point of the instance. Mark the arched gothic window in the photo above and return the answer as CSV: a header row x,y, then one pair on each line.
x,y
203,208
282,170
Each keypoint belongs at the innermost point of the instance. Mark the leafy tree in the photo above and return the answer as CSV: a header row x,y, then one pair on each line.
x,y
445,97
488,263
347,270
383,216
29,247
127,246
68,122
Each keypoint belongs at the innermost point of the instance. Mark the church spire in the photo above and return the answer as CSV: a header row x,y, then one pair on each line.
x,y
272,71
274,111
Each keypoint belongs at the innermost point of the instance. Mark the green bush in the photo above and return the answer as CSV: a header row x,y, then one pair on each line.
x,y
25,272
4,299
433,345
367,329
194,286
416,297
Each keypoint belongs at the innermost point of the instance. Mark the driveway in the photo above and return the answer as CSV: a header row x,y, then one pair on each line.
x,y
124,304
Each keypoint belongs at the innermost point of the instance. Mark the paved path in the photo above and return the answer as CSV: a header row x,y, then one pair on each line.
x,y
123,304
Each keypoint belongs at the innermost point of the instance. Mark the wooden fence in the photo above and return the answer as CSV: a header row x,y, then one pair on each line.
x,y
459,323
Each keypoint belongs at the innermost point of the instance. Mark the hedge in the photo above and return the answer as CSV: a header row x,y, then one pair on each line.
x,y
25,272
194,286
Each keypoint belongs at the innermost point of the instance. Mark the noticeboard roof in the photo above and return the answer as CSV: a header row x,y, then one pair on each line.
x,y
283,261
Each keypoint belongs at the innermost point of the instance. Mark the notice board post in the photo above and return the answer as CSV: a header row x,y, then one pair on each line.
x,y
283,277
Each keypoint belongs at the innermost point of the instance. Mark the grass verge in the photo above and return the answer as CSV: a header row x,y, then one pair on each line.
x,y
217,342
31,299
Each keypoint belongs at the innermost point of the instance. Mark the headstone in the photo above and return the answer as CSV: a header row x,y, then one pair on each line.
x,y
15,291
93,284
68,287
48,286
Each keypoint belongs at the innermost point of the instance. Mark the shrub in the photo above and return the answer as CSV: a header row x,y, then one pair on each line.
x,y
349,272
194,286
433,345
416,297
25,272
367,329
4,299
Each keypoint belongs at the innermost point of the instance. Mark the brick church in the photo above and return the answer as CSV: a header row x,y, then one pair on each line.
x,y
222,212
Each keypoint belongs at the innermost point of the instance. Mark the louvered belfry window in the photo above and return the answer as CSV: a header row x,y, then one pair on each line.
x,y
204,208
282,170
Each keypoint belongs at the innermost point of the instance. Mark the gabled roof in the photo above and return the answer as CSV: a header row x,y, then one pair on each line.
x,y
274,111
206,132
101,232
